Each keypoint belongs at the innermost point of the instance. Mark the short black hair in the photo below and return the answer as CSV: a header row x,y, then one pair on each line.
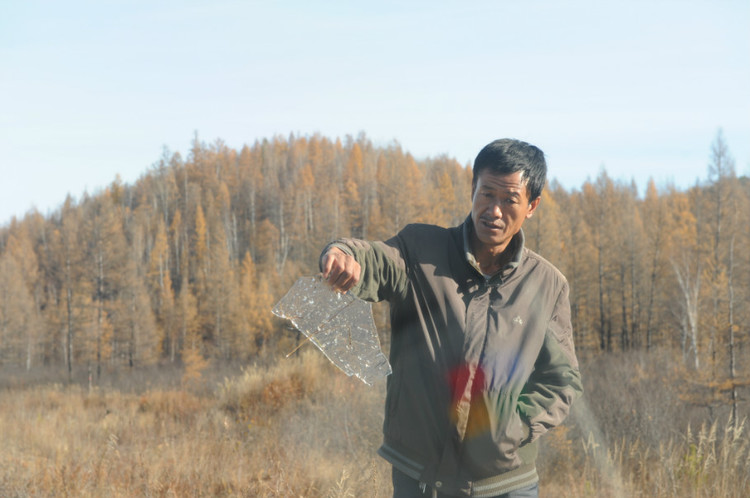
x,y
506,156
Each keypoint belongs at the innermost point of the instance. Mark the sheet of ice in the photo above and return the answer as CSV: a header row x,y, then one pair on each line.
x,y
340,325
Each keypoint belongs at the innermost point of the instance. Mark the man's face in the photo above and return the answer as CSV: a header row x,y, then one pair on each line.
x,y
500,205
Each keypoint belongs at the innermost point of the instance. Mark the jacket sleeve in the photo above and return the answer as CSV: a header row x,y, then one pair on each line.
x,y
384,275
556,380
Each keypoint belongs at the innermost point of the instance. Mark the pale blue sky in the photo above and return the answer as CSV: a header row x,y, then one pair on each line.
x,y
92,89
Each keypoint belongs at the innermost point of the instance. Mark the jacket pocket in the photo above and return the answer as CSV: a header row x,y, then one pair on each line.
x,y
495,449
516,431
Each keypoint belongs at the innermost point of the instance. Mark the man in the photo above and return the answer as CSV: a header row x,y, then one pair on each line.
x,y
481,348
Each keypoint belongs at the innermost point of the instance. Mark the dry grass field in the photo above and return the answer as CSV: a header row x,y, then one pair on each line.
x,y
297,429
302,429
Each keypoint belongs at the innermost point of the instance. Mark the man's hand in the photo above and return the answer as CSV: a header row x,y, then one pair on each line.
x,y
340,270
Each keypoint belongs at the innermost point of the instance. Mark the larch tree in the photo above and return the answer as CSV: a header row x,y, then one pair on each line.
x,y
577,260
221,298
251,181
16,311
21,251
280,207
74,295
187,320
392,195
137,337
721,207
106,268
597,198
267,246
201,265
544,230
323,160
306,186
687,264
256,301
161,290
414,200
449,200
163,184
351,193
630,266
177,242
445,196
653,214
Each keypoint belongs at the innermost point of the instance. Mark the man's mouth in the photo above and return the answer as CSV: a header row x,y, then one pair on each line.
x,y
492,226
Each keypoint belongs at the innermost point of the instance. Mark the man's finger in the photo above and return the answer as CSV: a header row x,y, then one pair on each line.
x,y
327,264
330,263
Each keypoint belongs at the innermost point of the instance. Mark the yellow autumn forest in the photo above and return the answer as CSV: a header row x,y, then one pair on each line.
x,y
179,271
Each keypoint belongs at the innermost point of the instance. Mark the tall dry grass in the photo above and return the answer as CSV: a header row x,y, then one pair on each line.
x,y
642,430
302,428
296,429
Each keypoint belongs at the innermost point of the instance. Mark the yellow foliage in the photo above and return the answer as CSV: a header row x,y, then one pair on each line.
x,y
194,364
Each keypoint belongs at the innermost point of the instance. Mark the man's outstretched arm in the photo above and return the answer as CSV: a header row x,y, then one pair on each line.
x,y
374,271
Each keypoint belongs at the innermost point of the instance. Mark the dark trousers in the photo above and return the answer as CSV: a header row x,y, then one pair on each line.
x,y
406,487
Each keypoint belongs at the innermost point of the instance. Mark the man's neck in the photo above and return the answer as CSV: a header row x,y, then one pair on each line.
x,y
492,260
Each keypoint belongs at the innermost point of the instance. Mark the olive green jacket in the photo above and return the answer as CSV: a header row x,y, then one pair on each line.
x,y
481,366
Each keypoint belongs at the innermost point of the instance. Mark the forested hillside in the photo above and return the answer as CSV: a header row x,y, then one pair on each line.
x,y
184,265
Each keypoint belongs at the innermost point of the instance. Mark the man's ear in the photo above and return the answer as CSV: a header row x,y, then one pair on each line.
x,y
532,206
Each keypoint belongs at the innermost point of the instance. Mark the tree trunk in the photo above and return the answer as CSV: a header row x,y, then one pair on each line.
x,y
732,353
602,331
690,290
69,320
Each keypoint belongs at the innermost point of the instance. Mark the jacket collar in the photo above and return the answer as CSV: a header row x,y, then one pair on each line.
x,y
517,245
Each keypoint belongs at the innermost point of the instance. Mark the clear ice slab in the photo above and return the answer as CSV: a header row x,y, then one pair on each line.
x,y
340,325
